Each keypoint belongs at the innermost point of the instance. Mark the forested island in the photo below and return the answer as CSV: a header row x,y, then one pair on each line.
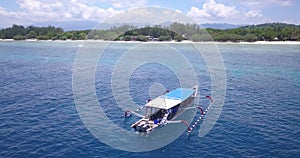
x,y
175,31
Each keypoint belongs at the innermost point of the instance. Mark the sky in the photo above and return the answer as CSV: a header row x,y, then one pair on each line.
x,y
240,12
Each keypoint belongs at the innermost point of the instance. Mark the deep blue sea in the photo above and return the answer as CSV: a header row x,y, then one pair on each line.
x,y
38,116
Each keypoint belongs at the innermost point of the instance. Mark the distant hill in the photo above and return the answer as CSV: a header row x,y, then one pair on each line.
x,y
70,25
271,25
88,25
221,26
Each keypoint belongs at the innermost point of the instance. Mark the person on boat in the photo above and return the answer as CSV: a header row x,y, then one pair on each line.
x,y
157,121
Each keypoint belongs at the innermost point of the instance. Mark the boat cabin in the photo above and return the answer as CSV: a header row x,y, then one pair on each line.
x,y
164,108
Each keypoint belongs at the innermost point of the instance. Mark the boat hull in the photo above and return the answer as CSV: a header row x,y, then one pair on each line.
x,y
162,116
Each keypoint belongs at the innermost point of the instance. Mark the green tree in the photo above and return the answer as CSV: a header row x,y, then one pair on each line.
x,y
18,30
82,36
42,37
109,35
63,37
19,37
50,35
96,37
178,38
141,38
200,37
69,35
127,38
250,37
31,34
164,38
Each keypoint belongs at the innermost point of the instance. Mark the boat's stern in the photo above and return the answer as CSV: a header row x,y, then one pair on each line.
x,y
144,125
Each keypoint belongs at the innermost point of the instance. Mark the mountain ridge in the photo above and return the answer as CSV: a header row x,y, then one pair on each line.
x,y
88,25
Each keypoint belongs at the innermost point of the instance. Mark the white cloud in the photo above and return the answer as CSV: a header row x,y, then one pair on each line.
x,y
3,11
212,10
266,3
281,2
29,4
150,16
217,12
68,15
254,14
127,4
198,13
177,10
84,11
36,11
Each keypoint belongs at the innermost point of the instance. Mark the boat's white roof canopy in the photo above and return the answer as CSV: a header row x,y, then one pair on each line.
x,y
171,99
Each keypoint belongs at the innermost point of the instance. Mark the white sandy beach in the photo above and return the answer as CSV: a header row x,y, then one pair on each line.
x,y
173,41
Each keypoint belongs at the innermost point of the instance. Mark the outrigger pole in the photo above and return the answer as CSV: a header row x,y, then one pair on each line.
x,y
182,121
203,112
129,112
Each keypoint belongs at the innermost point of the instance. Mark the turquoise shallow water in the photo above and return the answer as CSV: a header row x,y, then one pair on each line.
x,y
38,117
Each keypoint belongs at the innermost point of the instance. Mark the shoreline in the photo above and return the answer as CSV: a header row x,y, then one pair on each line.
x,y
173,41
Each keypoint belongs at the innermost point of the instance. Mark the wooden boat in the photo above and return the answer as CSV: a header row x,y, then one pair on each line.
x,y
164,109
